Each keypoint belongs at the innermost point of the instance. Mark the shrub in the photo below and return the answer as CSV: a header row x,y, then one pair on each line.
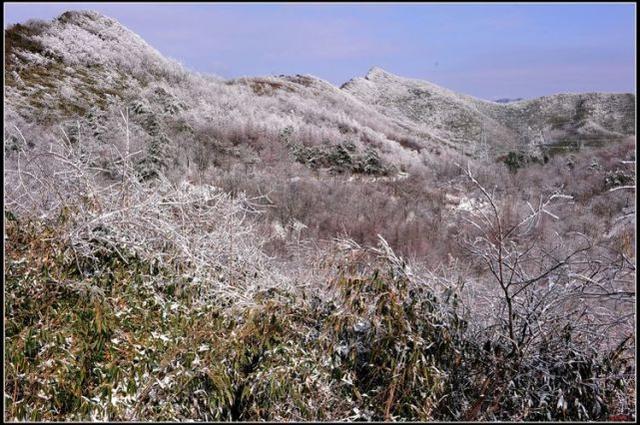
x,y
617,178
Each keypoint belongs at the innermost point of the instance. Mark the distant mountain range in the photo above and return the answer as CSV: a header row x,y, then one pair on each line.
x,y
82,65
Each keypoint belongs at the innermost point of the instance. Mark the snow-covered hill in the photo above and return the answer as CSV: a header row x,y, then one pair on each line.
x,y
86,69
465,120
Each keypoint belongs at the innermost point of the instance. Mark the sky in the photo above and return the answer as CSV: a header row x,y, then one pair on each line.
x,y
488,50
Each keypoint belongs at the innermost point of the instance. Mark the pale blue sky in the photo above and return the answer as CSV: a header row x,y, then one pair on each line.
x,y
486,50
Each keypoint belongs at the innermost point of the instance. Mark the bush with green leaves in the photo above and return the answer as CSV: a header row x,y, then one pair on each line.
x,y
618,178
340,158
395,344
118,337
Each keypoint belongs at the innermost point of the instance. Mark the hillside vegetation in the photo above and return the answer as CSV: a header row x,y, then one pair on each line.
x,y
183,247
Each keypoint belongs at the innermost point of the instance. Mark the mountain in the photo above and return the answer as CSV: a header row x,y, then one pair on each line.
x,y
77,60
53,79
83,68
463,120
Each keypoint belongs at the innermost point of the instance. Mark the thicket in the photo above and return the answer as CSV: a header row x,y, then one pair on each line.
x,y
337,158
515,160
133,299
127,344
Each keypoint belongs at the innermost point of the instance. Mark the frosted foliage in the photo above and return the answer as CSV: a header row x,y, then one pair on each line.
x,y
463,120
408,122
87,38
185,247
197,229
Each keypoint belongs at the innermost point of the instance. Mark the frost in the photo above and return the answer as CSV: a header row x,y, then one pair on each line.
x,y
162,337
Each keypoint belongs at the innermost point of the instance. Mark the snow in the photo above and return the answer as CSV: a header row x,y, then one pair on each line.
x,y
97,54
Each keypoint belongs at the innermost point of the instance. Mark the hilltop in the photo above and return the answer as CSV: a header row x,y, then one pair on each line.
x,y
465,120
83,64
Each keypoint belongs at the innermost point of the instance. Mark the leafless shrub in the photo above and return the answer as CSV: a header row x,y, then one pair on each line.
x,y
199,231
545,291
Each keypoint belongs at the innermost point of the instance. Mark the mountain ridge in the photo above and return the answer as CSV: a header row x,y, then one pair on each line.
x,y
405,120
